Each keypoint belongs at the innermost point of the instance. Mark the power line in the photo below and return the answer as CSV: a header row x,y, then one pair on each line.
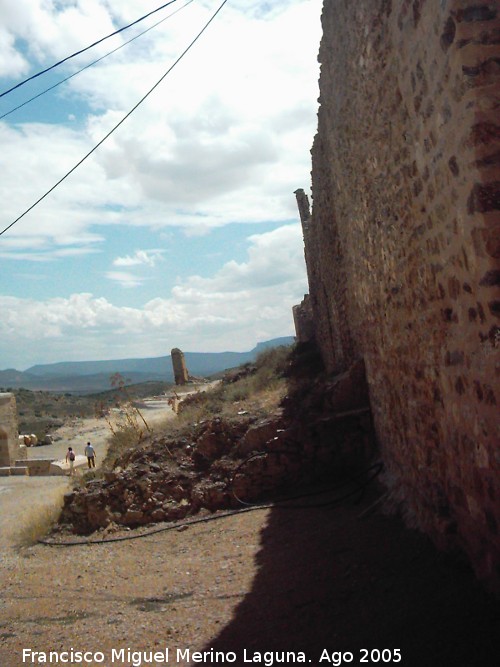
x,y
94,62
77,53
118,124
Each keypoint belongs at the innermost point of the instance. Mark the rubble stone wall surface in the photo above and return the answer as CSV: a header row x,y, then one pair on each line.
x,y
403,247
9,445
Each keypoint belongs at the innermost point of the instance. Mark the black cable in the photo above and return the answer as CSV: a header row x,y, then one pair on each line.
x,y
94,62
377,466
77,53
117,125
163,529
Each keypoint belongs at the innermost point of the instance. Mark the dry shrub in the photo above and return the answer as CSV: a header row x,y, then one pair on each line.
x,y
262,382
38,520
122,438
267,375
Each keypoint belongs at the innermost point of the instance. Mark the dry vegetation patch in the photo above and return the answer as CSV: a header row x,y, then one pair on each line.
x,y
40,412
37,521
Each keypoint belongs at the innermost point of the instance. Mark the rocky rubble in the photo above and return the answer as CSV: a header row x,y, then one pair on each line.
x,y
169,479
223,462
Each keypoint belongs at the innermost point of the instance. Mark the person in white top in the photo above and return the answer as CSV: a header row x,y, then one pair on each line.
x,y
90,454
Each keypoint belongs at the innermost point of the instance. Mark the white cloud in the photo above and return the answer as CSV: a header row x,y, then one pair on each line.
x,y
274,259
124,278
241,304
12,63
147,257
33,158
54,30
225,138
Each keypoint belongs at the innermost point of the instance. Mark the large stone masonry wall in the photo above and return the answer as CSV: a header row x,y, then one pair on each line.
x,y
403,248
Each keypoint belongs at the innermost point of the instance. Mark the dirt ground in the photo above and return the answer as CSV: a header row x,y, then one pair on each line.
x,y
335,582
325,578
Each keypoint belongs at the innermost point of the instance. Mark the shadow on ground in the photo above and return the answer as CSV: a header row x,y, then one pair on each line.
x,y
328,579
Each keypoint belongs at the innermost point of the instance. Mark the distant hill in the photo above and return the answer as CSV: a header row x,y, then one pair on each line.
x,y
159,365
91,376
11,377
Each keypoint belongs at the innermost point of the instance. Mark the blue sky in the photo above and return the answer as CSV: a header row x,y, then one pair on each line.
x,y
182,229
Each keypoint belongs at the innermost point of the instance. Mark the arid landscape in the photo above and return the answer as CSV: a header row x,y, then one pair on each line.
x,y
317,579
25,498
317,483
270,580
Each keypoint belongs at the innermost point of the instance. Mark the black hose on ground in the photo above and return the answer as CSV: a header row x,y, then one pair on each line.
x,y
377,467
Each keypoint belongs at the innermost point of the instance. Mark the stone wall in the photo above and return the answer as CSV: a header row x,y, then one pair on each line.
x,y
403,248
10,451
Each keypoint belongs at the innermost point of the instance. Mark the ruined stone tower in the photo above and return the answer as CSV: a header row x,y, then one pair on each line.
x,y
179,365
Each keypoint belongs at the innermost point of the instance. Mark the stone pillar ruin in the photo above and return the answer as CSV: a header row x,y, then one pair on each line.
x,y
303,320
10,451
303,312
303,206
181,375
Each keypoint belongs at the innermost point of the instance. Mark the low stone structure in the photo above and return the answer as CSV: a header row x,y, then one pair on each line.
x,y
181,375
10,450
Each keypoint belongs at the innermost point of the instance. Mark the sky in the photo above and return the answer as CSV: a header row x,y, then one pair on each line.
x,y
181,229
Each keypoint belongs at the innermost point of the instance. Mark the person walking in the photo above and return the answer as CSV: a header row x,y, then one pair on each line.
x,y
70,458
90,454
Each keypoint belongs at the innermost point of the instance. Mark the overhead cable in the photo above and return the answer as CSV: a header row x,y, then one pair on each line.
x,y
63,178
94,62
77,53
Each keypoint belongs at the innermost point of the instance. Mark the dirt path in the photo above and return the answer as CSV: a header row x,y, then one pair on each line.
x,y
78,432
23,498
20,498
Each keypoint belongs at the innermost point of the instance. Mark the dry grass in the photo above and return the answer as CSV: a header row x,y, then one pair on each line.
x,y
262,385
37,522
260,389
120,440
